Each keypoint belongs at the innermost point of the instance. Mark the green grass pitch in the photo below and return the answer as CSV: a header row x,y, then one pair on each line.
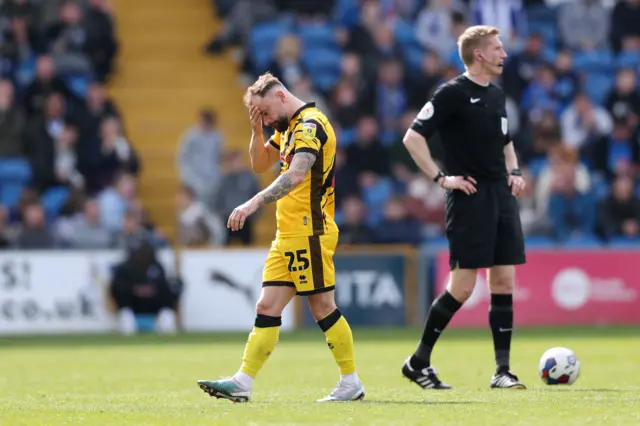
x,y
151,380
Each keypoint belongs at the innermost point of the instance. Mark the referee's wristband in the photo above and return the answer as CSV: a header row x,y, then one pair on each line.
x,y
516,172
438,176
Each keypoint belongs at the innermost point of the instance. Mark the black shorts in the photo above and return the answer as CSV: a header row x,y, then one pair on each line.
x,y
484,228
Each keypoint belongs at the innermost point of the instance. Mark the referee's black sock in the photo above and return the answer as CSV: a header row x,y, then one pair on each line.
x,y
501,323
441,312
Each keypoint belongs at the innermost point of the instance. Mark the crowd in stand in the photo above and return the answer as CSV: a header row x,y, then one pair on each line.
x,y
67,170
573,103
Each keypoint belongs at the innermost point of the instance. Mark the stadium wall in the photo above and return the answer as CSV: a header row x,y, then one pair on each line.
x,y
66,292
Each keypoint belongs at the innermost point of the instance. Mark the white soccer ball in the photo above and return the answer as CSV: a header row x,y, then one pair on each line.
x,y
559,366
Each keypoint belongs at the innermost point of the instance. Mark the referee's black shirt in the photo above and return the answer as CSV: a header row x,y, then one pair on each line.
x,y
472,122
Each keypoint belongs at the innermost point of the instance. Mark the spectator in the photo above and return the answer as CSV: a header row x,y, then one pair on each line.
x,y
345,178
88,233
287,65
567,81
425,202
534,220
238,184
117,155
625,31
423,82
541,94
17,53
67,41
5,242
45,83
34,234
197,225
563,193
140,287
65,167
353,230
116,200
391,99
434,26
583,123
584,25
200,157
133,231
11,123
367,154
354,80
345,106
40,141
619,214
397,227
616,152
520,69
623,102
101,45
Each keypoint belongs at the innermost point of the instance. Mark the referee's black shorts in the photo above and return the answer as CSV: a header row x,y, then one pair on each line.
x,y
484,228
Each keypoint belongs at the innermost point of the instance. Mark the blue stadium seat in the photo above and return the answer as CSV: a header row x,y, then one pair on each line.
x,y
582,241
14,170
324,65
263,39
547,30
536,241
347,136
326,81
405,33
628,60
541,13
624,242
454,60
537,165
414,55
439,242
53,200
600,188
10,194
346,13
320,35
597,85
599,60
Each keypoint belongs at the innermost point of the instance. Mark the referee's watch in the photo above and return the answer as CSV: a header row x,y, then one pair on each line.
x,y
516,172
438,176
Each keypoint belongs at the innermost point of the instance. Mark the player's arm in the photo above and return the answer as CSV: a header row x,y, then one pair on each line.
x,y
439,108
263,155
287,181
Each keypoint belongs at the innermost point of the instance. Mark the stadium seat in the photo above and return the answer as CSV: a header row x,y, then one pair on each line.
x,y
10,194
346,13
405,33
375,198
539,242
347,136
413,55
628,60
597,85
53,200
324,65
600,188
599,60
547,30
439,242
624,242
318,35
14,170
537,165
582,241
263,39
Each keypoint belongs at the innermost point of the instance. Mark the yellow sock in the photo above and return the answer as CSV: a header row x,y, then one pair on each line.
x,y
340,341
262,341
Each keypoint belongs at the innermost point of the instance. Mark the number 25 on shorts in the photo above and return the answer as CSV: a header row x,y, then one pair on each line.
x,y
299,256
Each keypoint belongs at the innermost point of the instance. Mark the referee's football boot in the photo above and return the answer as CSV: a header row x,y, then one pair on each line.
x,y
226,388
344,392
506,380
426,378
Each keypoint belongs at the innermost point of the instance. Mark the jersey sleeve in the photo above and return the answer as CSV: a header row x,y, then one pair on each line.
x,y
274,140
440,107
310,136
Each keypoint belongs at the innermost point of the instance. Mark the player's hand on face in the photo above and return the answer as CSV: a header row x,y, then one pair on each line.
x,y
255,116
460,183
517,184
240,215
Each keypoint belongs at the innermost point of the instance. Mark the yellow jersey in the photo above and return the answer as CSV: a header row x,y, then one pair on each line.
x,y
309,209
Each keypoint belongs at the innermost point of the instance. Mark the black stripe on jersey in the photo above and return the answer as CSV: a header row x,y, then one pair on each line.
x,y
273,144
317,267
329,180
315,195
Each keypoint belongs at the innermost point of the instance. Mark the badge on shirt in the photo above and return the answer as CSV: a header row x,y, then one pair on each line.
x,y
308,131
505,125
426,112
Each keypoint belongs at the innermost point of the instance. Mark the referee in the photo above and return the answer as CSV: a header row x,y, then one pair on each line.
x,y
482,219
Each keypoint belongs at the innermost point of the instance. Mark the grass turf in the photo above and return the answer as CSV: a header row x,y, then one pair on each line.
x,y
151,380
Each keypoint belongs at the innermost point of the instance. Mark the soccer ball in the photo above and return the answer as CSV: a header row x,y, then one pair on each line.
x,y
559,366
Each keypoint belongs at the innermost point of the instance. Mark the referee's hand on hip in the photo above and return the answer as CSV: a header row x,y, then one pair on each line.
x,y
465,184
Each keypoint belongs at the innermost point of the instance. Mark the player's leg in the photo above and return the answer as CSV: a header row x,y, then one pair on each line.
x,y
509,251
277,292
471,224
318,282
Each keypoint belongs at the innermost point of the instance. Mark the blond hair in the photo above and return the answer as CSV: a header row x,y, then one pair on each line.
x,y
473,38
262,85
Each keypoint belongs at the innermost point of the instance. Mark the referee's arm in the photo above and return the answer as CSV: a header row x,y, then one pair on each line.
x,y
510,158
417,146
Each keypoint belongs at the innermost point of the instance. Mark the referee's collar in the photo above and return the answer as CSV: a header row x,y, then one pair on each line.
x,y
302,108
